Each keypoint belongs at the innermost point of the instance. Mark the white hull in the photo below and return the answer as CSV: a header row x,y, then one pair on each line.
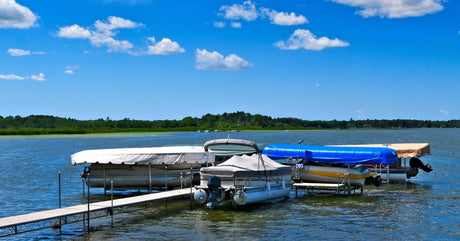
x,y
269,193
329,174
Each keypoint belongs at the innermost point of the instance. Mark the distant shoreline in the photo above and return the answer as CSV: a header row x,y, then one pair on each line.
x,y
238,121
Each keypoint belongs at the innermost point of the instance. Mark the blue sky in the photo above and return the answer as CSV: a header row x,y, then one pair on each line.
x,y
310,59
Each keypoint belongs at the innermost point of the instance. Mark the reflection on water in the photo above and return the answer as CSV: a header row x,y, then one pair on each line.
x,y
425,208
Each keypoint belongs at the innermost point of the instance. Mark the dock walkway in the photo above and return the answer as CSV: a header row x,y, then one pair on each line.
x,y
34,221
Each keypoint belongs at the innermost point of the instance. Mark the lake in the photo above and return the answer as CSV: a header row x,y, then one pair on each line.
x,y
425,208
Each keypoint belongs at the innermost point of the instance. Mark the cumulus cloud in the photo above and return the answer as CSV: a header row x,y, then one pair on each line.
x,y
70,69
22,52
39,77
215,61
302,38
282,18
74,31
164,47
219,24
114,22
11,76
246,11
235,24
14,15
103,33
444,112
393,9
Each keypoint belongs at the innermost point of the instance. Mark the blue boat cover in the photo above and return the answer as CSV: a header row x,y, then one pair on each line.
x,y
332,154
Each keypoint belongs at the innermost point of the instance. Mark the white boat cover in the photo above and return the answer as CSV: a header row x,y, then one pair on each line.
x,y
143,156
248,166
403,149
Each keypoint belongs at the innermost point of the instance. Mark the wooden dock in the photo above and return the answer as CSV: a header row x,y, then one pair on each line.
x,y
57,217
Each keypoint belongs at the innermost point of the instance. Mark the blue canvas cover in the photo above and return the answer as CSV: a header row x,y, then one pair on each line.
x,y
332,154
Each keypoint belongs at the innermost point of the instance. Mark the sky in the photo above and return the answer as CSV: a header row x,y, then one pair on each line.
x,y
170,59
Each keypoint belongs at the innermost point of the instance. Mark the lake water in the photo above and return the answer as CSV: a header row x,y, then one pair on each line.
x,y
425,208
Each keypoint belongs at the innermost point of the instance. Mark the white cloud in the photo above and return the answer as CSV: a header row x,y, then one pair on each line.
x,y
235,24
18,52
22,52
246,11
282,18
103,33
105,38
302,38
115,23
394,8
219,24
70,69
11,76
318,85
444,112
14,15
39,77
164,47
74,31
215,61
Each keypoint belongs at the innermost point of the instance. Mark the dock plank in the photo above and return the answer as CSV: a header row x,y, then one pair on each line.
x,y
83,208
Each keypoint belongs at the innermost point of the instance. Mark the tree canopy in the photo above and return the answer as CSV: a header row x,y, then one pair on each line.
x,y
46,124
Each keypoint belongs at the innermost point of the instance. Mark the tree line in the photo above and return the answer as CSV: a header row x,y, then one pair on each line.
x,y
46,124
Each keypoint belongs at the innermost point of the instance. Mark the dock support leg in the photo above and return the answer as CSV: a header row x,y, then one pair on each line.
x,y
111,198
87,214
191,185
59,181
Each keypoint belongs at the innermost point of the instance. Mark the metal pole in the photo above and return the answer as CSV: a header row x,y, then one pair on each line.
x,y
111,198
166,177
59,181
83,199
191,185
103,170
166,184
87,218
150,179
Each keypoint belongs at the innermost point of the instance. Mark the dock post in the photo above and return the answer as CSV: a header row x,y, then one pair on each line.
x,y
105,189
150,179
166,184
87,218
111,198
191,185
59,181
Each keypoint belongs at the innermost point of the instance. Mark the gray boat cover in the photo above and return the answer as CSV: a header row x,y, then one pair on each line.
x,y
230,142
143,156
248,166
